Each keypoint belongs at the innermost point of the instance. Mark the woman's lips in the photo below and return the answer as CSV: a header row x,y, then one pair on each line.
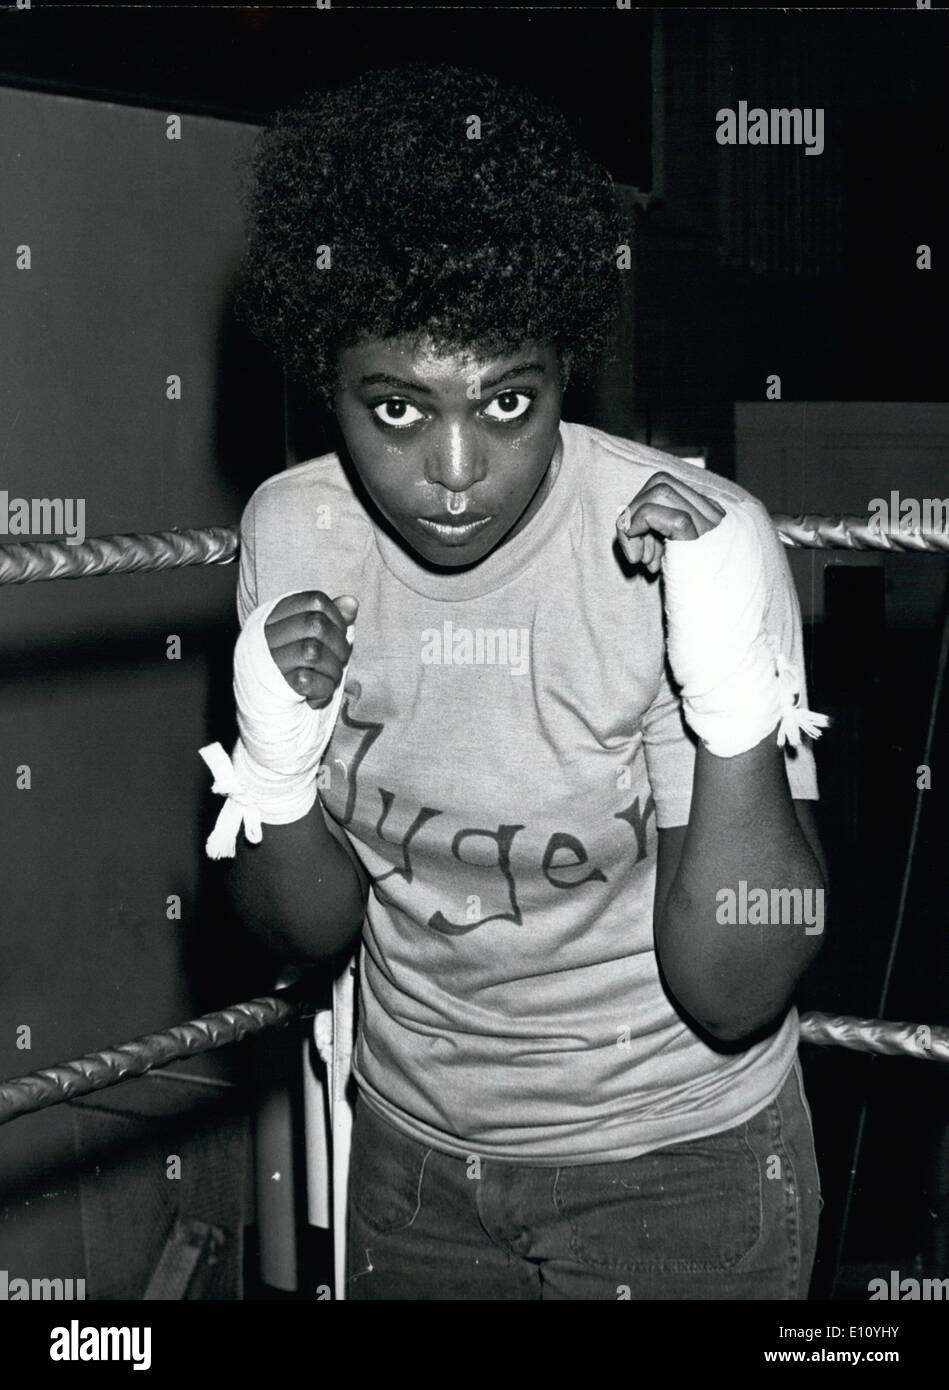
x,y
451,533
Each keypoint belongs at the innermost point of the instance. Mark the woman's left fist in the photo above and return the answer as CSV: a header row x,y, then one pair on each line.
x,y
665,509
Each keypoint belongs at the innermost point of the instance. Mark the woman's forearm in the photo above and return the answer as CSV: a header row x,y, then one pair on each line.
x,y
299,889
744,857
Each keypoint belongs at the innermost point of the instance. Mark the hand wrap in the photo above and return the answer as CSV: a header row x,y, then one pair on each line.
x,y
736,683
271,776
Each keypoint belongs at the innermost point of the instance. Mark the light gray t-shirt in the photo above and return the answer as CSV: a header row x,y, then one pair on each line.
x,y
508,743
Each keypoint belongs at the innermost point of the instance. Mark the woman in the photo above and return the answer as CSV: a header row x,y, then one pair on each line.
x,y
542,783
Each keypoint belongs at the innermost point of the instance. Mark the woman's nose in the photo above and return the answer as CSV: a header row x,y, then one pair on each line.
x,y
454,459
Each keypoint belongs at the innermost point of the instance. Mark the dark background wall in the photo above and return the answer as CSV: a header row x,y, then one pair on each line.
x,y
134,242
760,261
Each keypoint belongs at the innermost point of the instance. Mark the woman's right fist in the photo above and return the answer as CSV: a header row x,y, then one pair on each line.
x,y
306,634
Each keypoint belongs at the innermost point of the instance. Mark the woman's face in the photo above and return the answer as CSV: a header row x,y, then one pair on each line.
x,y
441,442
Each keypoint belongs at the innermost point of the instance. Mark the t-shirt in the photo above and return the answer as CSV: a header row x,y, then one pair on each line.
x,y
509,741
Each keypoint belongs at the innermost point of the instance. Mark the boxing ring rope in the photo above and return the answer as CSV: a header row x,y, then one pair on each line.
x,y
66,1081
96,1070
30,561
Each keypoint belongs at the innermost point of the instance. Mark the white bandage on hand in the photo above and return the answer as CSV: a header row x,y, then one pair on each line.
x,y
271,776
736,683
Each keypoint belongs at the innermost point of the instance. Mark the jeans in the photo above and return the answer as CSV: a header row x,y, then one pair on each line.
x,y
731,1216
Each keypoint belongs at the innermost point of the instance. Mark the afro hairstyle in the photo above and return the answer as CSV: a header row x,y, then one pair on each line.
x,y
386,210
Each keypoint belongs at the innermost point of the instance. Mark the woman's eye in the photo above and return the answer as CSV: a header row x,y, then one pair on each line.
x,y
509,405
397,414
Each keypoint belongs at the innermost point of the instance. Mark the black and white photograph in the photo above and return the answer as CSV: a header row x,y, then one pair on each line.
x,y
474,627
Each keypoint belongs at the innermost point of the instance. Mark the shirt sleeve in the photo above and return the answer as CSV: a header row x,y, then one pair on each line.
x,y
247,565
668,743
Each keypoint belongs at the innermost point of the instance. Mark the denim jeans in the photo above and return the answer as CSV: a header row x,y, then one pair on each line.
x,y
731,1216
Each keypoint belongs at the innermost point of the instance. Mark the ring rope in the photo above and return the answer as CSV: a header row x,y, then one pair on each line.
x,y
159,550
96,1070
922,1040
858,533
28,561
